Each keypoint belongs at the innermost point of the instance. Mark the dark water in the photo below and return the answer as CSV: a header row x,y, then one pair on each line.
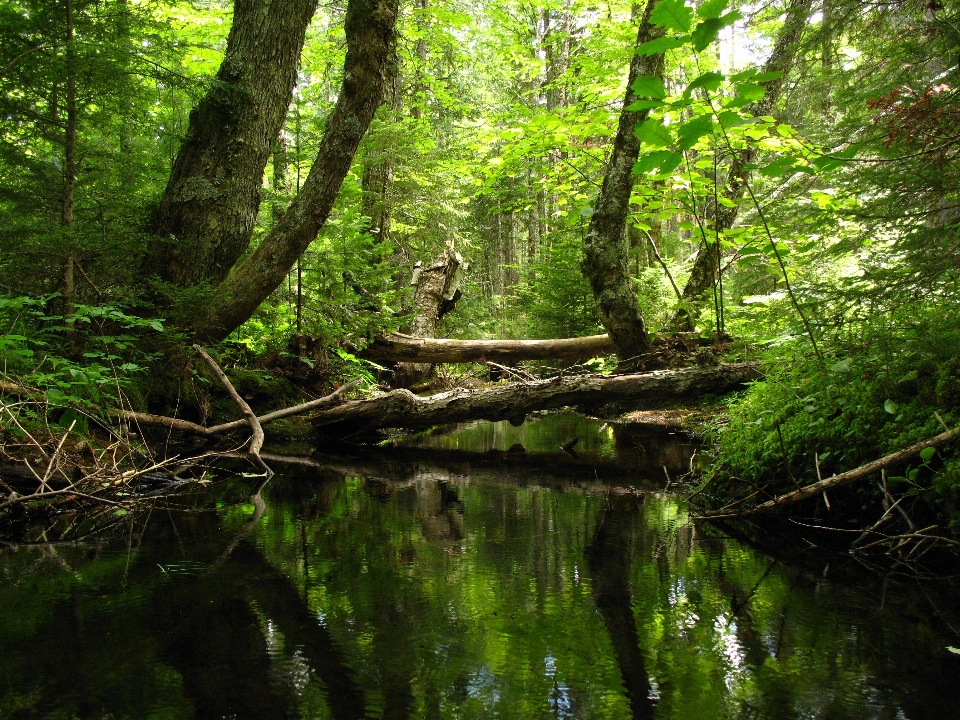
x,y
458,579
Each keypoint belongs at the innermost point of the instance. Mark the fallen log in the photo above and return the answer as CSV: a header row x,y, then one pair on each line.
x,y
397,347
403,409
834,481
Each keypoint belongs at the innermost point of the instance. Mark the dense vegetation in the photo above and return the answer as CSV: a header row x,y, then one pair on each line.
x,y
796,185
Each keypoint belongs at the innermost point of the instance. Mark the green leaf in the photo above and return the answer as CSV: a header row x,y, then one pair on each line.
x,y
780,166
767,76
728,118
842,367
656,159
708,81
708,30
644,105
712,9
890,406
927,454
648,86
651,47
750,92
690,132
653,133
672,15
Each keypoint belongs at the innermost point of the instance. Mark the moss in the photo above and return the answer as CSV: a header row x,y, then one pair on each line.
x,y
291,428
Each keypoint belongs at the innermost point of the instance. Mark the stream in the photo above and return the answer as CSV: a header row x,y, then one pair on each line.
x,y
477,571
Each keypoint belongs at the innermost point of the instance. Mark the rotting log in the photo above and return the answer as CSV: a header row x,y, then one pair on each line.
x,y
403,409
397,347
437,291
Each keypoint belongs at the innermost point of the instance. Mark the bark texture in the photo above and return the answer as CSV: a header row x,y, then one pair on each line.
x,y
606,261
370,62
403,409
704,275
397,347
208,210
437,292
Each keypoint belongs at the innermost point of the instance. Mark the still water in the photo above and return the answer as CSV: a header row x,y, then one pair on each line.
x,y
475,573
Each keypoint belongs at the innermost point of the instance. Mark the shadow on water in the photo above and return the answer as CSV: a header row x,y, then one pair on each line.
x,y
455,580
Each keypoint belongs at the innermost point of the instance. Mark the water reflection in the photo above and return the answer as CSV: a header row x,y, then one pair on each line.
x,y
441,595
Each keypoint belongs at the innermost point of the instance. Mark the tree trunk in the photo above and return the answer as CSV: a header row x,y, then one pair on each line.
x,y
397,347
370,62
606,261
403,409
436,294
68,286
704,275
281,183
208,210
404,348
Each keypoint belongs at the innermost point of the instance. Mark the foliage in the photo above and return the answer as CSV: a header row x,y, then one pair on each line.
x,y
95,354
880,391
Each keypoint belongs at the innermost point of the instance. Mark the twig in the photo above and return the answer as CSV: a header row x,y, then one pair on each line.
x,y
256,439
55,493
714,476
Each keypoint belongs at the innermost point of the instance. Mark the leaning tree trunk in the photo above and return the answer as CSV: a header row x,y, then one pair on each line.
x,y
370,27
209,208
703,276
606,253
437,291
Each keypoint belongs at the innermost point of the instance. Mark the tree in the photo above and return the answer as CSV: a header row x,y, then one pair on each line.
x,y
370,62
705,271
209,208
606,251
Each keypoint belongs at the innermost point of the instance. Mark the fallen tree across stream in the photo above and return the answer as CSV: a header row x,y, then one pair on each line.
x,y
403,409
397,347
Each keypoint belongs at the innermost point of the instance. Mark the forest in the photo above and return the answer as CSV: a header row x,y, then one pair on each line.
x,y
245,237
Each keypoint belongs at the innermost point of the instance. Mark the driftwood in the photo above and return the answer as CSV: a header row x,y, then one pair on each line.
x,y
403,409
834,481
397,347
256,430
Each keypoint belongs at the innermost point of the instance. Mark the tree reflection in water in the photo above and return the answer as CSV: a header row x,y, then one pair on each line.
x,y
443,597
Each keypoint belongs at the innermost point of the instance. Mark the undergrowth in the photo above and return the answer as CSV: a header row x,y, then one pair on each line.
x,y
866,400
